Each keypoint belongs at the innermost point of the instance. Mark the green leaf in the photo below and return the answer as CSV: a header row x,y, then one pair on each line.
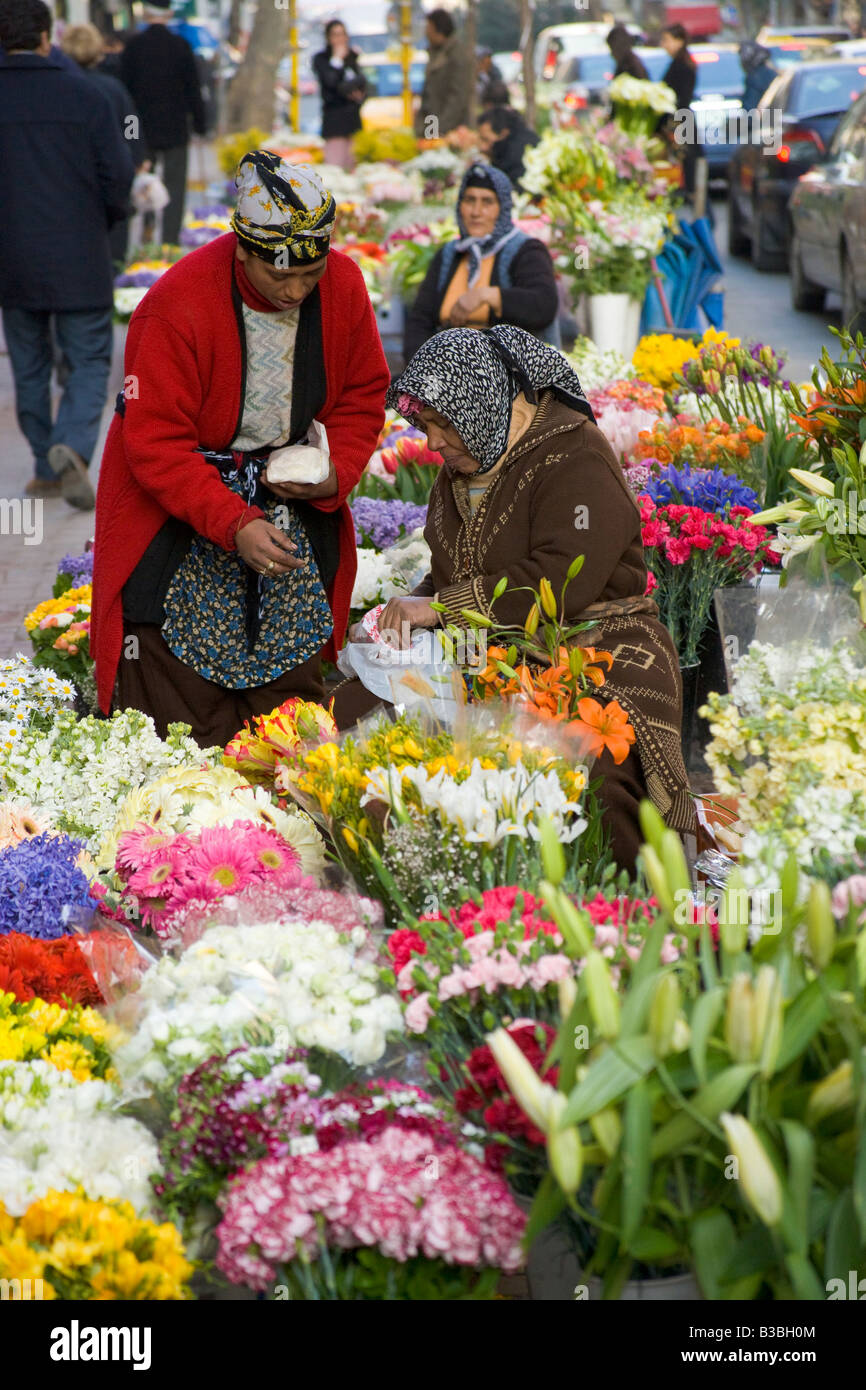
x,y
806,1283
636,1005
755,1254
801,1167
806,1015
704,1018
842,1248
721,1093
609,1077
549,1202
713,1242
709,968
637,1127
859,1185
651,1245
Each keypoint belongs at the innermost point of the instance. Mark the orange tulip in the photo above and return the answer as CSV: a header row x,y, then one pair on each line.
x,y
604,727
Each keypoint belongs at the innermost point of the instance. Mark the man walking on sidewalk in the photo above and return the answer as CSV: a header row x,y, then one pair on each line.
x,y
159,69
65,173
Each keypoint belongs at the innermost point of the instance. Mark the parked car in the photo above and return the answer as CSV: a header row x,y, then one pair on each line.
x,y
566,41
828,224
581,81
830,33
811,100
787,53
510,65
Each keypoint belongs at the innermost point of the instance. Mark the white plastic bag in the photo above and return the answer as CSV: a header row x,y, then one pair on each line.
x,y
420,674
307,462
149,193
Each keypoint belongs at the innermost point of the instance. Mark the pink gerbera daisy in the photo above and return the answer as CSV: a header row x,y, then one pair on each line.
x,y
221,861
273,854
136,846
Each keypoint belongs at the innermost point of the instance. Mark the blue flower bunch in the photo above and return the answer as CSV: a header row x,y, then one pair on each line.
x,y
380,522
708,488
79,568
41,887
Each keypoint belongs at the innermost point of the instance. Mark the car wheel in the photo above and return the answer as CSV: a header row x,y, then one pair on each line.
x,y
765,254
738,242
805,294
853,312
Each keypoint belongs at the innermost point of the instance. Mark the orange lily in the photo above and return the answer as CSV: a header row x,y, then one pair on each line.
x,y
604,727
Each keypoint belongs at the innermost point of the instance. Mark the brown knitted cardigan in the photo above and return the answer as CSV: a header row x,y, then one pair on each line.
x,y
559,493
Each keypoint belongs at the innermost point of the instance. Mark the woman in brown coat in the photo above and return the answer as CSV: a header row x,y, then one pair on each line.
x,y
529,482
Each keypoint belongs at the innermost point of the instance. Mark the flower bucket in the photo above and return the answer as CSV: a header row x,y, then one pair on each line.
x,y
614,321
553,1267
677,1288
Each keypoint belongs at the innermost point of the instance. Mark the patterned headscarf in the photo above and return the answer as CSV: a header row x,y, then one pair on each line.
x,y
485,176
283,211
473,378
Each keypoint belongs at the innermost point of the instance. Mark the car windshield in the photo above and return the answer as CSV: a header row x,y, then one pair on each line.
x,y
826,89
386,79
594,67
718,72
791,51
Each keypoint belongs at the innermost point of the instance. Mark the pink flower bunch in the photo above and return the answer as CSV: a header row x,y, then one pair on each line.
x,y
850,893
391,1194
621,925
679,531
168,876
492,967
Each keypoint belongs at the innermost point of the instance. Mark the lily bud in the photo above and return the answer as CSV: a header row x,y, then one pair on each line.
x,y
651,824
566,991
548,599
815,482
564,1150
835,1092
535,1098
767,1019
576,926
552,853
664,1010
657,880
603,998
820,925
607,1128
740,1019
733,921
530,627
759,1179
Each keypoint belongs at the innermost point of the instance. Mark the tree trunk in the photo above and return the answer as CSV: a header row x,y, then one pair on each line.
x,y
527,48
251,96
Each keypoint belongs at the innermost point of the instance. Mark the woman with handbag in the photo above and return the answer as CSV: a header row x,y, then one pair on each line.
x,y
344,88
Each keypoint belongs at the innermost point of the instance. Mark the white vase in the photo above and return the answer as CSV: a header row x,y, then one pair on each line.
x,y
614,323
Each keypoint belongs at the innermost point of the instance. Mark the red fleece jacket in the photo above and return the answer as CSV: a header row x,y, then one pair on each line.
x,y
183,391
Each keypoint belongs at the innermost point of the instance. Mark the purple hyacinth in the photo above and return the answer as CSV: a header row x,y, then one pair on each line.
x,y
42,887
380,522
78,567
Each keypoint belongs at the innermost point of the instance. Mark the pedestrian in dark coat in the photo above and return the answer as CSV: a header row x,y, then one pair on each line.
x,y
343,87
66,172
504,137
159,70
620,43
86,46
447,83
759,71
681,76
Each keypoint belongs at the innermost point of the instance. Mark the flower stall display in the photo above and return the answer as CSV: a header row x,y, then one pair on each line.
x,y
419,817
598,369
714,444
660,358
402,466
624,409
73,571
204,224
54,970
59,1134
59,630
721,1053
410,251
193,796
76,1249
388,147
78,770
439,170
134,281
379,521
306,973
708,488
638,104
386,1217
262,742
74,1039
692,553
43,887
29,699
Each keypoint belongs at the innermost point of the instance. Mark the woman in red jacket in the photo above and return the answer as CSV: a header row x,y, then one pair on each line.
x,y
217,593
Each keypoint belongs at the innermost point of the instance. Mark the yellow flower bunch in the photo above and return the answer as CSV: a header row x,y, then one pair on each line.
x,y
66,603
232,148
81,1249
659,357
77,1039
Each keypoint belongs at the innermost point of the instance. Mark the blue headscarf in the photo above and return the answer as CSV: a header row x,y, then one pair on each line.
x,y
504,230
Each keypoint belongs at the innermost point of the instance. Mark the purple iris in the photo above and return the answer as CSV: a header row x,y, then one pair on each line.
x,y
708,488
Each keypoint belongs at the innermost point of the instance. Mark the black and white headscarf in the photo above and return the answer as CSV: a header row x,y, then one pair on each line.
x,y
485,176
473,378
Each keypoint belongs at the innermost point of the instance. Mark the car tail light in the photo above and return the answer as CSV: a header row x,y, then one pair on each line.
x,y
799,146
576,100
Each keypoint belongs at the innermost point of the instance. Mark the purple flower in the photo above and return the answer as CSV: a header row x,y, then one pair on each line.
x,y
710,489
380,522
41,886
79,568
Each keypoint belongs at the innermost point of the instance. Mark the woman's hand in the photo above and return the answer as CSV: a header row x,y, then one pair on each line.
x,y
401,615
304,492
266,549
466,305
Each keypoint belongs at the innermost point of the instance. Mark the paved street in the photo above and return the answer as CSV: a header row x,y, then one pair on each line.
x,y
756,306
